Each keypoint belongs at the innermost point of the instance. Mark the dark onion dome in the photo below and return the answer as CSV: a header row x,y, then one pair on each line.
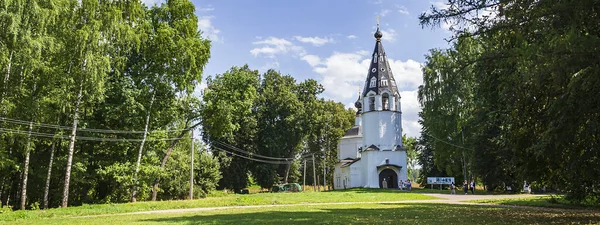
x,y
378,34
358,104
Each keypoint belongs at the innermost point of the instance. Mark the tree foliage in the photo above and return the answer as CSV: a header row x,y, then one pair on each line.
x,y
532,71
68,66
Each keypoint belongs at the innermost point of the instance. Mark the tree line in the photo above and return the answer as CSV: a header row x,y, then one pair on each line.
x,y
98,104
271,115
515,97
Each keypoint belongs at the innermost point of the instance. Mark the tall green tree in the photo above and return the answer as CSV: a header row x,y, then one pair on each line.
x,y
534,78
228,120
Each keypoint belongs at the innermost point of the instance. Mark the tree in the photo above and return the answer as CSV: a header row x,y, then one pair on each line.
x,y
411,155
533,76
228,120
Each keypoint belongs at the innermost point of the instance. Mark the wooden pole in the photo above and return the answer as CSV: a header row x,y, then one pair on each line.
x,y
324,176
304,176
314,174
192,169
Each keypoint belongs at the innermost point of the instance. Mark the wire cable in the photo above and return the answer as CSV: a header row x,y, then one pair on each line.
x,y
91,130
231,147
458,146
253,159
83,138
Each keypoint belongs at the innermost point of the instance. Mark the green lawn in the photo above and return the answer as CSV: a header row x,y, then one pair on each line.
x,y
545,201
354,195
346,214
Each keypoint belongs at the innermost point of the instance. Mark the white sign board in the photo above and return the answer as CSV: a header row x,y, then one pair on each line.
x,y
440,180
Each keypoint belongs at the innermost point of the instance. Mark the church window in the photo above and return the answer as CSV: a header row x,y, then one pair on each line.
x,y
374,70
372,103
385,98
382,69
384,83
375,58
373,82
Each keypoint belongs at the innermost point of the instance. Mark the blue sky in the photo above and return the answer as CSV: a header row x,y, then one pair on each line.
x,y
326,40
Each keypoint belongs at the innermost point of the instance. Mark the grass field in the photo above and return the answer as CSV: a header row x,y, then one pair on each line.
x,y
545,201
354,195
346,214
363,213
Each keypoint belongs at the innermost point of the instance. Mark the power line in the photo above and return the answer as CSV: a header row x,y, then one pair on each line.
x,y
231,147
458,146
90,130
83,138
253,159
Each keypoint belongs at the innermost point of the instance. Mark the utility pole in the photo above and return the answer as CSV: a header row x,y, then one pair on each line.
x,y
192,169
324,174
304,176
463,153
314,174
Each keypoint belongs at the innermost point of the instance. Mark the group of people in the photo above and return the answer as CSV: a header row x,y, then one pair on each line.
x,y
466,187
401,184
405,184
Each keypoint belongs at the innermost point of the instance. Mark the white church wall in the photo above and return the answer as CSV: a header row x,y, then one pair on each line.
x,y
355,175
348,147
388,132
372,159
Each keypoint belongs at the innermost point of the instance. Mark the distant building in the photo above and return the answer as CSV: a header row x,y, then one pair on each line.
x,y
372,150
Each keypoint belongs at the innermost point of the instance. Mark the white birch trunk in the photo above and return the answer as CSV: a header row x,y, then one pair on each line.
x,y
47,187
26,168
65,200
139,158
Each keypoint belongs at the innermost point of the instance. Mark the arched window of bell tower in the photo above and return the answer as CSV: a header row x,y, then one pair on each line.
x,y
385,100
371,103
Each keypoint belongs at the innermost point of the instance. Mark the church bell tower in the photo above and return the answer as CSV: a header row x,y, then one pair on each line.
x,y
381,120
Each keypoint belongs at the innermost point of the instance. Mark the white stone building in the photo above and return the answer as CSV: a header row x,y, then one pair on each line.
x,y
372,150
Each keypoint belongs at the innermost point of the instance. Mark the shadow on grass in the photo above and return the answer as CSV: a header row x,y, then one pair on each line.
x,y
384,214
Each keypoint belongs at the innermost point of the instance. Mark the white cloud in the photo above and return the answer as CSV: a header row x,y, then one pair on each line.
x,y
150,3
207,9
342,73
410,112
274,46
388,35
268,66
312,60
316,41
352,36
208,30
384,12
402,9
363,52
441,5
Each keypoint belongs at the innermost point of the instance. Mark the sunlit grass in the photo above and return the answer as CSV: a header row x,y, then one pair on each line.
x,y
353,195
348,214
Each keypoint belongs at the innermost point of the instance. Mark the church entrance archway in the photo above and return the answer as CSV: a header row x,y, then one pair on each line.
x,y
390,177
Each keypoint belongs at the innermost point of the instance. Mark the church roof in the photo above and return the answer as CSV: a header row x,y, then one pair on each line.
x,y
354,131
380,77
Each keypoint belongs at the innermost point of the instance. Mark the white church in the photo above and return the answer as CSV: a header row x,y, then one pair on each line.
x,y
372,150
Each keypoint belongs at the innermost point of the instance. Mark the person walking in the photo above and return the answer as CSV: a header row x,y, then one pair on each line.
x,y
466,187
408,184
384,184
453,189
472,186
